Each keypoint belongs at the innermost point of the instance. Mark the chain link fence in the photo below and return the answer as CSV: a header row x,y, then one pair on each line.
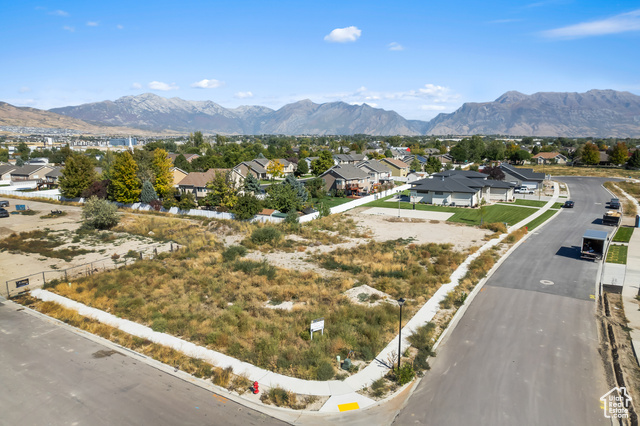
x,y
16,286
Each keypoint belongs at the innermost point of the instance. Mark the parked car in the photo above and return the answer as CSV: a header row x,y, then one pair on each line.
x,y
4,203
4,212
523,190
614,203
568,204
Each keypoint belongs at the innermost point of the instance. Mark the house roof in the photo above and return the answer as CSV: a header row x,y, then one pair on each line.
x,y
374,165
396,163
188,157
56,172
200,179
6,168
29,169
547,155
267,212
466,173
442,184
349,158
347,172
522,174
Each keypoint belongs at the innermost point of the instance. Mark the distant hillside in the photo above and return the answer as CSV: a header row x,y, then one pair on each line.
x,y
152,112
597,113
32,117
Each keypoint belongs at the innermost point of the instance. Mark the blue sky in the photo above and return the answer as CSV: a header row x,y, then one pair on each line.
x,y
418,58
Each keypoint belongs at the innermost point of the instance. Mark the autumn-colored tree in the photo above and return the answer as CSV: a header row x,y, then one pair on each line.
x,y
275,168
221,192
162,169
619,154
77,175
590,154
125,185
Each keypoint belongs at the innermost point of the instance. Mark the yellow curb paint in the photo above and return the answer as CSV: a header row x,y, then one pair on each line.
x,y
348,407
592,296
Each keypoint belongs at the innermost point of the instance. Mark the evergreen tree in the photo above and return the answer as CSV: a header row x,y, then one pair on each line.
x,y
182,163
106,163
298,187
252,184
77,175
125,186
148,194
634,160
162,169
246,207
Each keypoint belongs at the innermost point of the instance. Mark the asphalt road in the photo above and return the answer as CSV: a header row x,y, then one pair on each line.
x,y
525,352
52,376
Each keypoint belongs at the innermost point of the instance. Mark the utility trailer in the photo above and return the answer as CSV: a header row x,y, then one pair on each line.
x,y
611,218
593,244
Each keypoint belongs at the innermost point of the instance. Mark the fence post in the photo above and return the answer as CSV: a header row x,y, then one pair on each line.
x,y
43,280
65,275
7,284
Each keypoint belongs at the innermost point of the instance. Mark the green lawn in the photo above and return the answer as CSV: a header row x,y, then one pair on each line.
x,y
623,235
530,203
495,213
557,205
617,254
540,219
330,201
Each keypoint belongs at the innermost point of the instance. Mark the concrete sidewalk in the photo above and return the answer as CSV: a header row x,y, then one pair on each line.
x,y
343,395
631,287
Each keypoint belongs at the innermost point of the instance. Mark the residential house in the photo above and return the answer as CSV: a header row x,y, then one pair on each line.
x,y
51,179
398,168
352,159
549,158
408,159
5,172
178,175
379,173
460,188
347,178
259,169
30,172
196,182
522,177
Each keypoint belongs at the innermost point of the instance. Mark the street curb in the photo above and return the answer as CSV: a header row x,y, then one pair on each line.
x,y
179,374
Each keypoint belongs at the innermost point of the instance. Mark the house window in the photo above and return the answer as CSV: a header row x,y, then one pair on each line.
x,y
339,181
439,193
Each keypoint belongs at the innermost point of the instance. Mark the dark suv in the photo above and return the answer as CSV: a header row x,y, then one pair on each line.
x,y
4,203
614,203
3,212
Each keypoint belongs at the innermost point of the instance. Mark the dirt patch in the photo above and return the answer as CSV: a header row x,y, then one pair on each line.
x,y
367,296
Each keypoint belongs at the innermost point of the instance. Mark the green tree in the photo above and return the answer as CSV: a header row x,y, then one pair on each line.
x,y
388,153
521,156
144,160
324,210
433,165
302,168
590,154
148,194
221,140
476,149
416,165
301,190
221,192
495,151
99,214
619,154
459,152
4,155
106,163
125,185
323,163
246,207
23,151
634,160
282,197
161,167
315,187
187,201
182,163
252,184
77,175
196,139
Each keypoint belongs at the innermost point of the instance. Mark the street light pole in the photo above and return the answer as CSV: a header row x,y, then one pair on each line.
x,y
400,302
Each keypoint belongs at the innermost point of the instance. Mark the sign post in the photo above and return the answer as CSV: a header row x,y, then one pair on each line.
x,y
317,325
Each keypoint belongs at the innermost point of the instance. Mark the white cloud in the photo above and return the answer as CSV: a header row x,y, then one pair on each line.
x,y
622,23
207,84
136,86
343,35
120,27
68,28
158,85
395,46
92,24
24,89
243,95
59,13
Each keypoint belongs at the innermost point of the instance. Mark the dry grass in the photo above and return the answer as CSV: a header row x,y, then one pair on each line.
x,y
557,170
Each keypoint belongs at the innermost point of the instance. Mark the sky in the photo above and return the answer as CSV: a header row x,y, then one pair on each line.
x,y
418,58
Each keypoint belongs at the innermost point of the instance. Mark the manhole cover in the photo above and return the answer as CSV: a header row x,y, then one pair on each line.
x,y
546,282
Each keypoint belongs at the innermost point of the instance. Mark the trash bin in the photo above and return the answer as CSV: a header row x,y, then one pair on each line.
x,y
637,221
346,365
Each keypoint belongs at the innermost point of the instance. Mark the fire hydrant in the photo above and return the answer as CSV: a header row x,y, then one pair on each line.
x,y
255,387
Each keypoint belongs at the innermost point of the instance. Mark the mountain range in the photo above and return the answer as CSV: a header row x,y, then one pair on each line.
x,y
596,113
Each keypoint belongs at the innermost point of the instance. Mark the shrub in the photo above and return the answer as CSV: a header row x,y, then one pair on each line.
x,y
159,325
266,235
279,397
325,371
99,214
292,217
405,374
234,252
222,377
495,227
378,388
